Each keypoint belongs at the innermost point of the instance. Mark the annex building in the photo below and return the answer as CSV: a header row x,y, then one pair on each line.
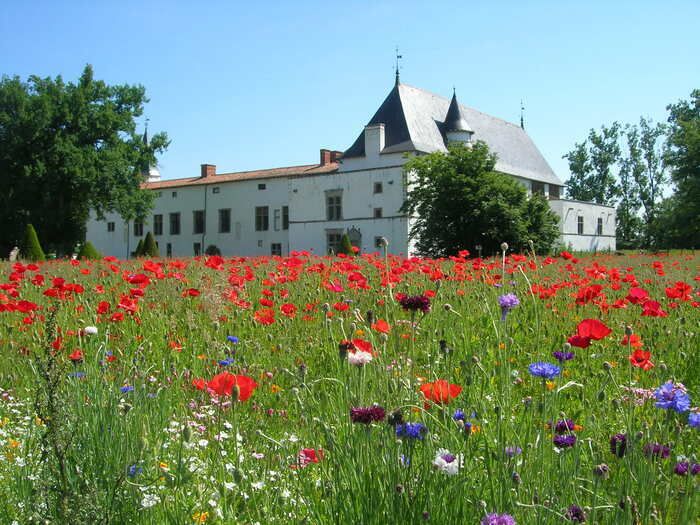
x,y
359,191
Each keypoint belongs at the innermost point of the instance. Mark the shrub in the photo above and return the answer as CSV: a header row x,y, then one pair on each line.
x,y
346,245
150,248
138,252
32,249
212,249
88,251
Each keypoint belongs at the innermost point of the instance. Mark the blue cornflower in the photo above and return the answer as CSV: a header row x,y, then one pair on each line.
x,y
694,419
126,388
544,370
458,415
563,356
673,397
78,375
232,339
411,430
133,471
226,362
513,451
507,303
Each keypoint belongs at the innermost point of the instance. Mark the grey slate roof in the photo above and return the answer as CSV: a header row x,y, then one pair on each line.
x,y
414,120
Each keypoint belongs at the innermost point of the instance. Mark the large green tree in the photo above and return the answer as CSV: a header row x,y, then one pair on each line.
x,y
67,148
457,201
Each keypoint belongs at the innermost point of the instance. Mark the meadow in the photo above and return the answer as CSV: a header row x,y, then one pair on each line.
x,y
368,389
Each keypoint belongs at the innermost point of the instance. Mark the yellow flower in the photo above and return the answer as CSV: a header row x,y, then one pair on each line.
x,y
163,466
13,443
550,385
359,333
475,429
4,421
202,356
566,373
275,389
37,421
200,517
502,346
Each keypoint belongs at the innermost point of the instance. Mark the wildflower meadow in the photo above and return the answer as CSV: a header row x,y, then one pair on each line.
x,y
368,389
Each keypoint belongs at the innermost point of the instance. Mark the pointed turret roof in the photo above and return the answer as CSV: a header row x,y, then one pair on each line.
x,y
455,121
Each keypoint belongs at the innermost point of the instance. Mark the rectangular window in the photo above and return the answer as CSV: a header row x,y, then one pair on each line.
x,y
262,218
553,192
169,250
197,249
158,225
175,223
537,187
276,219
333,239
378,187
138,229
377,213
285,217
262,186
198,222
174,195
580,224
159,194
334,205
215,189
225,220
276,248
110,226
600,226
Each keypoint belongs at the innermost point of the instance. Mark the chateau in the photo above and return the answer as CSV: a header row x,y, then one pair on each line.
x,y
359,191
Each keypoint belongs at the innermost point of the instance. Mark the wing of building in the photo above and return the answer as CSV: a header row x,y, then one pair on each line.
x,y
359,191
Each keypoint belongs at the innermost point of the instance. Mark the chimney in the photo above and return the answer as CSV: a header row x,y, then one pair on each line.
x,y
336,156
208,170
374,139
325,157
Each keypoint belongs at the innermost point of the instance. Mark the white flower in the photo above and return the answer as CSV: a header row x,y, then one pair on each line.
x,y
359,357
447,462
90,330
149,500
202,443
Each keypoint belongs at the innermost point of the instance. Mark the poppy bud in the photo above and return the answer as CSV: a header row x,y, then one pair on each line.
x,y
186,434
606,365
628,330
370,317
504,246
475,359
326,307
235,393
516,478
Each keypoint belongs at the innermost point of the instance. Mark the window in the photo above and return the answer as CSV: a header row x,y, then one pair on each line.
x,y
599,230
198,221
138,229
580,224
225,220
378,187
197,249
333,238
157,225
553,192
110,226
175,223
276,248
159,194
334,207
285,217
262,218
174,195
215,189
377,213
169,250
537,187
262,186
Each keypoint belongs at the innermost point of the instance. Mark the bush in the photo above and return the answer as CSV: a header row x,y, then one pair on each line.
x,y
150,248
212,249
88,251
346,245
138,252
31,249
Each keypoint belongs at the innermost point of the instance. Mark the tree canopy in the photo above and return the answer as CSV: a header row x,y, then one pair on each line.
x,y
67,148
457,201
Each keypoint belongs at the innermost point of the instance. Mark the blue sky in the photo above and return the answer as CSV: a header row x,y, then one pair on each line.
x,y
248,85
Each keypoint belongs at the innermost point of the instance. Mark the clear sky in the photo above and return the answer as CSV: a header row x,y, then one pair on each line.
x,y
248,85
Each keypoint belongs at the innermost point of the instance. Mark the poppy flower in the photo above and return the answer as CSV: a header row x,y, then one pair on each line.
x,y
440,391
222,385
381,326
588,330
637,296
76,356
653,309
265,316
641,359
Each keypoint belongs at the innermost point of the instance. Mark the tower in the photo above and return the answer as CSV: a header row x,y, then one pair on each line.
x,y
455,127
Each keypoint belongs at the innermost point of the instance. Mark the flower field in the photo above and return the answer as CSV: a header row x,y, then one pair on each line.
x,y
372,389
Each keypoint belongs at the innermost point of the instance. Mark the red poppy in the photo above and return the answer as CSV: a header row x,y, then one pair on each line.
x,y
381,326
199,383
440,391
633,340
265,316
309,455
641,359
289,310
191,292
587,330
364,346
76,356
637,296
653,309
222,385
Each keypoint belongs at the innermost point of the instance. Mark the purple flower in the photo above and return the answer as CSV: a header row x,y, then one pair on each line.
x,y
126,388
544,370
683,467
618,444
564,441
367,415
564,426
657,450
232,339
563,356
498,519
673,397
414,303
411,430
507,303
513,451
694,419
575,513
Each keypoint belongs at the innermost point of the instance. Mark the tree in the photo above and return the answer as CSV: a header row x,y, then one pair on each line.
x,y
592,163
138,252
31,249
150,248
682,211
212,249
67,148
88,251
346,245
457,201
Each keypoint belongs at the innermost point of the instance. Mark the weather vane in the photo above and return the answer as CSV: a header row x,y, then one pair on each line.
x,y
522,114
397,64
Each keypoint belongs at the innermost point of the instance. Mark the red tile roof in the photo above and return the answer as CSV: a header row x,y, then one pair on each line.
x,y
290,171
